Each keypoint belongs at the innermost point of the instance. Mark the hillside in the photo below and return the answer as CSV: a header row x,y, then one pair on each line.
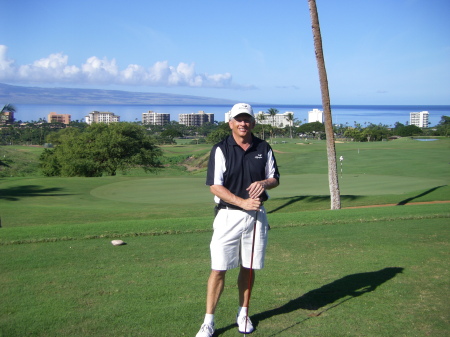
x,y
36,95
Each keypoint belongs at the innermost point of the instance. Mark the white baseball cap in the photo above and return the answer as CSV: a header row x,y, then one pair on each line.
x,y
241,108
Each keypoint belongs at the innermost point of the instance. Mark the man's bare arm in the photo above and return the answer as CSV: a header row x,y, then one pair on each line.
x,y
224,194
253,203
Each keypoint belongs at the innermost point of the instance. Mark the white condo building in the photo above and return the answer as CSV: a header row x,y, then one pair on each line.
x,y
419,119
279,120
154,118
101,117
196,119
315,115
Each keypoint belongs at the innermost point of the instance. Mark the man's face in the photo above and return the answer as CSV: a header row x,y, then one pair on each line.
x,y
242,125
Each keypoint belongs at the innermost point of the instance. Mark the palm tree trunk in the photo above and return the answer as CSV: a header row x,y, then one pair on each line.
x,y
331,150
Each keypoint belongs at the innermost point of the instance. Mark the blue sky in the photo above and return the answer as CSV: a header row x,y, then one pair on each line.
x,y
376,51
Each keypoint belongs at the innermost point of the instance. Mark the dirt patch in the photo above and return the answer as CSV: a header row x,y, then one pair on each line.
x,y
196,163
409,203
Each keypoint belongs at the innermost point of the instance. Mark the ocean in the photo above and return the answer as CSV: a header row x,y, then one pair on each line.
x,y
342,114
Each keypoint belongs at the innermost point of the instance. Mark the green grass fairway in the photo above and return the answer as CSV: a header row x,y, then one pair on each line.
x,y
49,201
161,190
375,271
157,191
379,278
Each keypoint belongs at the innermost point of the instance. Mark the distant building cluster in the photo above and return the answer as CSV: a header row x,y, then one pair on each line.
x,y
154,118
54,117
315,115
196,119
101,117
419,119
192,119
7,117
281,120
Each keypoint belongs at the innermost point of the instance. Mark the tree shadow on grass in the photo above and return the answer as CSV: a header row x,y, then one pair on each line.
x,y
309,198
18,192
404,202
3,163
327,297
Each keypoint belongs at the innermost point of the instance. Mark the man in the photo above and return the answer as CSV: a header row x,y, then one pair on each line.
x,y
241,168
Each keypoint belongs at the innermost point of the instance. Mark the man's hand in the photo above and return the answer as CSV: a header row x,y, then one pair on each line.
x,y
256,189
251,204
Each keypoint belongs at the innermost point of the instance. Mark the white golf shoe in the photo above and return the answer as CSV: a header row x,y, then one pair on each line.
x,y
206,330
241,324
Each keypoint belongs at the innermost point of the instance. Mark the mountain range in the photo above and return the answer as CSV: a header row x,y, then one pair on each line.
x,y
36,95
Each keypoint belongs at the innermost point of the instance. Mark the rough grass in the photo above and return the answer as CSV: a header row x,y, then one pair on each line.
x,y
19,161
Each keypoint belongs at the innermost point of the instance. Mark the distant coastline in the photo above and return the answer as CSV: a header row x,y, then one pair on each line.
x,y
37,95
35,103
342,114
74,96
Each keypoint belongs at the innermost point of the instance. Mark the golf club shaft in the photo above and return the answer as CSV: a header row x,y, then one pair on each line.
x,y
251,269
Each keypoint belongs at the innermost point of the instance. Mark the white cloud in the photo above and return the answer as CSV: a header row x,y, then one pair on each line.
x,y
6,66
159,72
56,69
52,68
100,71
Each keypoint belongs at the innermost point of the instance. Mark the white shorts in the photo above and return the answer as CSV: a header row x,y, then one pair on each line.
x,y
231,243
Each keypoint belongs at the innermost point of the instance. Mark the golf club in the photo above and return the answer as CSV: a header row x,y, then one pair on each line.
x,y
251,271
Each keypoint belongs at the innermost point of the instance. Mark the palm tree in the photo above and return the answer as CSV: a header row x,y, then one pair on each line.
x,y
331,150
272,112
7,108
290,119
260,117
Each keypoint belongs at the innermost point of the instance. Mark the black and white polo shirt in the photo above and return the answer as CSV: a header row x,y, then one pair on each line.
x,y
232,167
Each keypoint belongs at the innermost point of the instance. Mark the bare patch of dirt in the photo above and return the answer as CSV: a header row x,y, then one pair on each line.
x,y
193,164
409,203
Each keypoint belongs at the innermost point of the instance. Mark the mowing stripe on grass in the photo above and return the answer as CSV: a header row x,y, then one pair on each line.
x,y
135,228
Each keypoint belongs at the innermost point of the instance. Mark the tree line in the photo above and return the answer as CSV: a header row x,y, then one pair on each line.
x,y
79,149
38,132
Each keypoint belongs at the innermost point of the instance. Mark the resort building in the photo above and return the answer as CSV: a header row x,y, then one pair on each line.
x,y
7,117
101,117
154,118
279,120
54,117
419,119
315,115
196,119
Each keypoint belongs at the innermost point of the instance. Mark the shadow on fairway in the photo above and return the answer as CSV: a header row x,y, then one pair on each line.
x,y
15,193
333,294
404,202
2,163
310,198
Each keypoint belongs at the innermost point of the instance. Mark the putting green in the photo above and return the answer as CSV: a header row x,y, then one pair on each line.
x,y
363,184
156,191
193,190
